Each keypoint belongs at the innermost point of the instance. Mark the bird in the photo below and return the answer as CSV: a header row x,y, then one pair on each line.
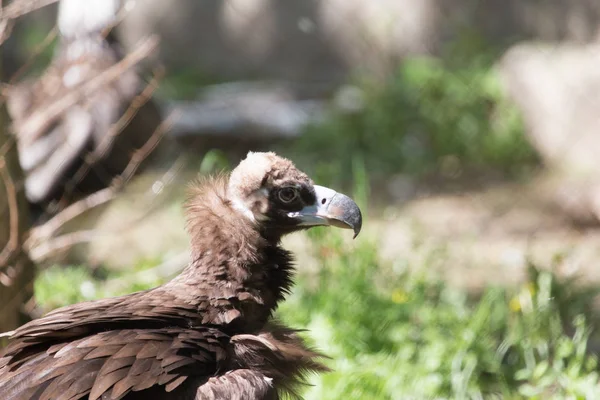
x,y
210,332
70,153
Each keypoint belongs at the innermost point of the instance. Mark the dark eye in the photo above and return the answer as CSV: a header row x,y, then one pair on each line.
x,y
287,194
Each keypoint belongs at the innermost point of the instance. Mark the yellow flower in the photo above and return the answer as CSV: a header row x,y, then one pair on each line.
x,y
399,296
515,304
527,292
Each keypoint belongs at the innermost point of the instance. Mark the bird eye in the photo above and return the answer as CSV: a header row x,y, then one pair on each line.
x,y
287,194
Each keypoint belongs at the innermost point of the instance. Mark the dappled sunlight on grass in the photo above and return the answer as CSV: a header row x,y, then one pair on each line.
x,y
419,338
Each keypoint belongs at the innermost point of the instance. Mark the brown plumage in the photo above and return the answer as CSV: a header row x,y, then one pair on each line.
x,y
208,333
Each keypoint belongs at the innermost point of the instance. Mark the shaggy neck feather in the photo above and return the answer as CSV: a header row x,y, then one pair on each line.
x,y
233,267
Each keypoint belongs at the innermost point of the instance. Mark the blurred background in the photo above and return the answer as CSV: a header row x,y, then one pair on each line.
x,y
468,131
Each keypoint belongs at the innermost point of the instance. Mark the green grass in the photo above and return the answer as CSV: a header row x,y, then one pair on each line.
x,y
431,117
401,334
62,285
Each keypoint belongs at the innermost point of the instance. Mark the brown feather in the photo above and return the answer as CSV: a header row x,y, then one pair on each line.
x,y
205,334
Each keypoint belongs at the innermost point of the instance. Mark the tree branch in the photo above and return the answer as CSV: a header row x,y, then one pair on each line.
x,y
18,8
39,243
105,144
38,121
13,208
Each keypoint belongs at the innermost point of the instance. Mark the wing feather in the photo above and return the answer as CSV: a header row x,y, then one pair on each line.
x,y
106,365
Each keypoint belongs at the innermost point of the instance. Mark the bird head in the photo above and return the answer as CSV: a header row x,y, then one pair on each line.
x,y
272,192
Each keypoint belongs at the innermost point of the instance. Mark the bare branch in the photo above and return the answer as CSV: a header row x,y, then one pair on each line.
x,y
49,247
15,275
10,141
150,206
37,241
40,118
18,8
142,153
48,229
34,54
6,334
11,193
137,103
105,145
6,27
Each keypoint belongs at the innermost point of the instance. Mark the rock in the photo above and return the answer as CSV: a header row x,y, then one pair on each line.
x,y
244,110
557,88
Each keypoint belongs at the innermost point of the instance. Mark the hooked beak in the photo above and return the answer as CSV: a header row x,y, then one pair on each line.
x,y
331,208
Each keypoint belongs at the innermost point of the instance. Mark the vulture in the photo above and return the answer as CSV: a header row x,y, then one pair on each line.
x,y
209,332
71,152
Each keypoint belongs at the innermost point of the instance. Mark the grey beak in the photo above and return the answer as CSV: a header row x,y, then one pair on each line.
x,y
331,208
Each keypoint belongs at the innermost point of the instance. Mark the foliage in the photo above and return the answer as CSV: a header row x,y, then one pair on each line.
x,y
430,117
185,83
30,43
399,334
57,286
415,338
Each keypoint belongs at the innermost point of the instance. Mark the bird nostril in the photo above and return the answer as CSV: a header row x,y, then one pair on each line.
x,y
323,201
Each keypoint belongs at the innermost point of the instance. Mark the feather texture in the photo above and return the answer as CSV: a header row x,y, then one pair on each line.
x,y
207,334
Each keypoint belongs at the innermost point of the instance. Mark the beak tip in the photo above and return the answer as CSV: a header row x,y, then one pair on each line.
x,y
341,210
351,214
356,229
